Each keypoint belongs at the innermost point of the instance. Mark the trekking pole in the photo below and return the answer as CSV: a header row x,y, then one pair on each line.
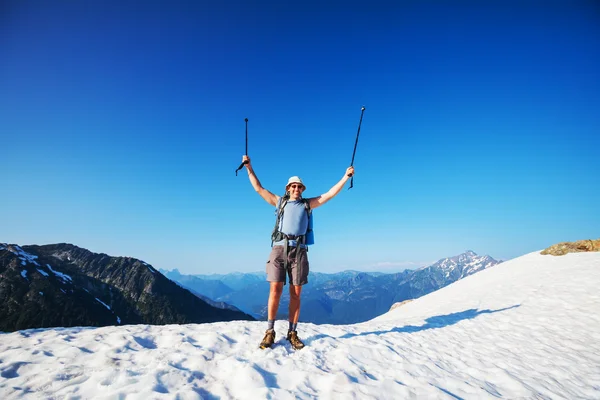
x,y
246,153
362,111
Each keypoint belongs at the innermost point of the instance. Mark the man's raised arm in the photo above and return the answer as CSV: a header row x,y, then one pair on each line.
x,y
324,198
264,193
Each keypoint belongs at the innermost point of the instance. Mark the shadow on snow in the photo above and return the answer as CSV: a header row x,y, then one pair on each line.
x,y
438,321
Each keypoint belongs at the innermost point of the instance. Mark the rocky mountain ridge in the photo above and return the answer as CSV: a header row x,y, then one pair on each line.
x,y
65,285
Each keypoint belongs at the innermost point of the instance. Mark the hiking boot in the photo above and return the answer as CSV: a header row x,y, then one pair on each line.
x,y
268,340
292,337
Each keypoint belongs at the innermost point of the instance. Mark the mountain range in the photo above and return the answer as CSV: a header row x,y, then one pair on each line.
x,y
62,285
65,285
340,298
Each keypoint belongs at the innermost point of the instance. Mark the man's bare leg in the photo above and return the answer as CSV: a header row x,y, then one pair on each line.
x,y
274,296
292,335
295,291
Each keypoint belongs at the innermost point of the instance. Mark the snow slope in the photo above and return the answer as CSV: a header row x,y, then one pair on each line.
x,y
527,328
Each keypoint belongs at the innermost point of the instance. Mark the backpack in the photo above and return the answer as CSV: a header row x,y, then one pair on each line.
x,y
308,238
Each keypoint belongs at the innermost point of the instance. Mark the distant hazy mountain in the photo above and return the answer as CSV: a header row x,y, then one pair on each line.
x,y
211,288
62,285
341,298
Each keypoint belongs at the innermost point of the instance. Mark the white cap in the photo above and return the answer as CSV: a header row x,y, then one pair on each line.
x,y
295,179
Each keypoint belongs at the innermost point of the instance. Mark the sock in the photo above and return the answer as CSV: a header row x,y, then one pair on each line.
x,y
293,326
271,324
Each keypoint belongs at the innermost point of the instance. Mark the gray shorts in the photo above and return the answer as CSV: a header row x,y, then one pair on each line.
x,y
297,269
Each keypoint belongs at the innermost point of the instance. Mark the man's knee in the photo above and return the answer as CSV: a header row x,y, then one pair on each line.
x,y
295,292
276,288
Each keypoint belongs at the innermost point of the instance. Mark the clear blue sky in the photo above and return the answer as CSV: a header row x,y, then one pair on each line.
x,y
121,125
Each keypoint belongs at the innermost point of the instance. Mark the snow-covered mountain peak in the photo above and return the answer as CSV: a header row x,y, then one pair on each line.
x,y
463,264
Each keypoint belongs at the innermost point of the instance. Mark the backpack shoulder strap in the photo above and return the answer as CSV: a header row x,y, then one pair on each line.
x,y
279,212
307,206
280,206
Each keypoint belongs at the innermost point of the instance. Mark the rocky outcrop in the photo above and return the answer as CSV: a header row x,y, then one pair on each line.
x,y
579,246
399,304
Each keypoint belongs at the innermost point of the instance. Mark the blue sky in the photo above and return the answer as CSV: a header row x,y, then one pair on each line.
x,y
122,123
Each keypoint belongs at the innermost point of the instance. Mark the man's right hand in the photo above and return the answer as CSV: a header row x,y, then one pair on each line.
x,y
246,161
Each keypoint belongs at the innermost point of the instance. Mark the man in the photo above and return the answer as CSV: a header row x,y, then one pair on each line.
x,y
289,248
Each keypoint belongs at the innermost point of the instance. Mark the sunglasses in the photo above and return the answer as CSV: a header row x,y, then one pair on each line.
x,y
297,186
